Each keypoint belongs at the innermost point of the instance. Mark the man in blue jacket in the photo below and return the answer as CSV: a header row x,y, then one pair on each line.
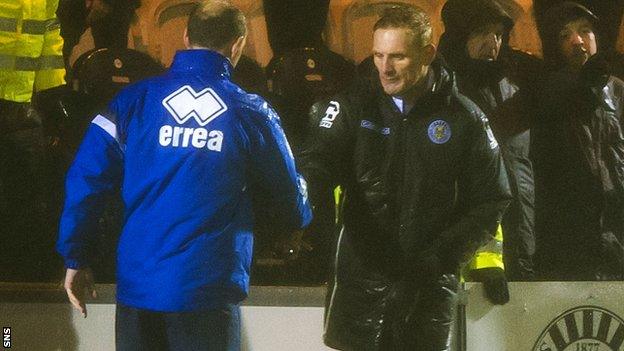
x,y
189,151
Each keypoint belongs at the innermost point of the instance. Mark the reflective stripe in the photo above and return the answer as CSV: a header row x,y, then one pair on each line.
x,y
36,27
51,62
108,126
493,246
9,62
33,27
330,308
8,24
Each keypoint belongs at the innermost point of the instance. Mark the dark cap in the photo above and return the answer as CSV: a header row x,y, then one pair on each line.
x,y
462,17
555,20
561,14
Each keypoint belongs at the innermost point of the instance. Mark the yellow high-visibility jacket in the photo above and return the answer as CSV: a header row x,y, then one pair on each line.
x,y
31,57
490,255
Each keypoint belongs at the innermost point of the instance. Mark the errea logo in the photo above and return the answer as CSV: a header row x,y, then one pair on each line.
x,y
185,103
585,328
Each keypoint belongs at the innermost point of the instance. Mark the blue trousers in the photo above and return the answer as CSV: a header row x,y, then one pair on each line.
x,y
211,330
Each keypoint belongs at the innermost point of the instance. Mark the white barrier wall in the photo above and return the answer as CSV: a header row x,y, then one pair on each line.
x,y
572,316
548,316
55,326
273,319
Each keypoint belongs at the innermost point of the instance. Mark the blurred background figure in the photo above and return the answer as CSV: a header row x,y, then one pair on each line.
x,y
30,62
476,46
578,153
106,22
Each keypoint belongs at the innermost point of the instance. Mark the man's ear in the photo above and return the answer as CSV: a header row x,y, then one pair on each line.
x,y
187,42
236,50
428,54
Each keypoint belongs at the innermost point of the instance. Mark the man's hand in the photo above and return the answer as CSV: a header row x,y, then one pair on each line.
x,y
494,284
290,247
78,284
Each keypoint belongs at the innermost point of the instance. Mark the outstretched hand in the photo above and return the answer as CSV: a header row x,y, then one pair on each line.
x,y
78,285
290,247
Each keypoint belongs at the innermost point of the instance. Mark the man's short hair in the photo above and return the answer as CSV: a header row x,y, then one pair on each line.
x,y
214,23
409,17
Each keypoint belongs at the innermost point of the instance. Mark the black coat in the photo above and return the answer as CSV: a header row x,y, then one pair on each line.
x,y
579,168
422,192
509,108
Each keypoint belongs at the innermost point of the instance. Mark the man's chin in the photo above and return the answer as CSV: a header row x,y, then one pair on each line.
x,y
392,89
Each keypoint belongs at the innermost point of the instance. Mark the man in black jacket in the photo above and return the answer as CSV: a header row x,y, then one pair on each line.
x,y
475,45
424,187
579,154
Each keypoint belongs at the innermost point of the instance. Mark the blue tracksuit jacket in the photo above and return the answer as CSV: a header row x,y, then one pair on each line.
x,y
189,149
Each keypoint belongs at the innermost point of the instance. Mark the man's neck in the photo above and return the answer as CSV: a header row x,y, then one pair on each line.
x,y
414,93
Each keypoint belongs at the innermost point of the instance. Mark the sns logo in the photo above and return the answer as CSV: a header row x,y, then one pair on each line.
x,y
330,115
186,104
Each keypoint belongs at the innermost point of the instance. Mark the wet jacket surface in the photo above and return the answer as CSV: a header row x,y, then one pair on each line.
x,y
579,163
503,91
422,191
189,150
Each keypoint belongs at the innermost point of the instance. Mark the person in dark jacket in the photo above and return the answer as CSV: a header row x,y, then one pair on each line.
x,y
578,154
475,45
423,187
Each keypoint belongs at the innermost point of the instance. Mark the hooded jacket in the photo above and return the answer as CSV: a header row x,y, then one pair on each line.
x,y
579,158
499,88
422,191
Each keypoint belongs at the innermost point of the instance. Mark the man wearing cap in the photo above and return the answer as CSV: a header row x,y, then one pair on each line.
x,y
475,45
578,154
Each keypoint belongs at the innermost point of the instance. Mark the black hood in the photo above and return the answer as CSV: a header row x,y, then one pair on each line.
x,y
462,17
554,20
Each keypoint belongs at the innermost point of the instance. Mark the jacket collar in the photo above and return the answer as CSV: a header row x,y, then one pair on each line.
x,y
440,83
202,60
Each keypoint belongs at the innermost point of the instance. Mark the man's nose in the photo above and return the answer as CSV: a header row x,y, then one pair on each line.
x,y
576,39
386,66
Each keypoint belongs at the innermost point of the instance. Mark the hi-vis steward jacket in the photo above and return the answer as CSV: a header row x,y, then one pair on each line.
x,y
190,151
427,183
31,57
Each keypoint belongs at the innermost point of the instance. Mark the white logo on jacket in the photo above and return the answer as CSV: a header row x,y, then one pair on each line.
x,y
185,104
330,115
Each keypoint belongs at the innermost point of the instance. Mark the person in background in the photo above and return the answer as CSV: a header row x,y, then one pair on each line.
x,y
31,62
190,152
109,21
578,154
423,187
475,44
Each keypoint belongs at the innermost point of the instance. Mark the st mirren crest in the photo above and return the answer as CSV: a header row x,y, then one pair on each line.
x,y
585,328
185,103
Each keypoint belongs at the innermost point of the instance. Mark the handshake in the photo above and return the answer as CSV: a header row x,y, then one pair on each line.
x,y
289,246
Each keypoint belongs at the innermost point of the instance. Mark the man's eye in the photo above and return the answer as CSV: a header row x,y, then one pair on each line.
x,y
586,30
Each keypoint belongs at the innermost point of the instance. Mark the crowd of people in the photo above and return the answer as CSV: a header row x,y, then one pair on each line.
x,y
464,159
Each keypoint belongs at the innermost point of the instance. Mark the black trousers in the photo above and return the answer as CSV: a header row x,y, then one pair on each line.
x,y
27,229
211,330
